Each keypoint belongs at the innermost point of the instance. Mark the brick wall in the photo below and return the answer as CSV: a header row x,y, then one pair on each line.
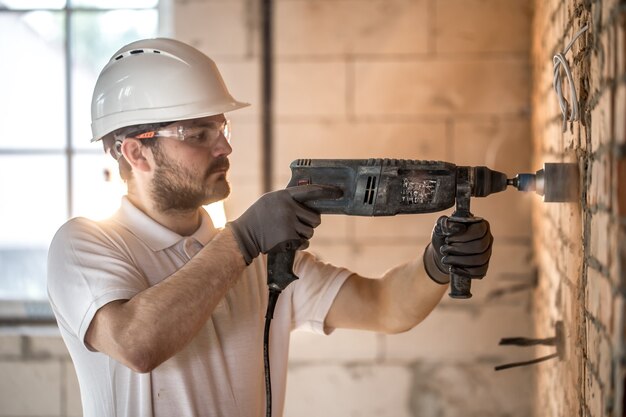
x,y
576,244
415,79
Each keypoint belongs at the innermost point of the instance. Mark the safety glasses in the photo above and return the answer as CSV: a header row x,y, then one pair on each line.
x,y
204,135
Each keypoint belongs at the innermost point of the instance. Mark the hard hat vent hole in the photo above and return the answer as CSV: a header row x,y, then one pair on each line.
x,y
156,52
119,57
136,51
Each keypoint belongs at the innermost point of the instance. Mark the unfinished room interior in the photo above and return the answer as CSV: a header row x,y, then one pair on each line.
x,y
533,90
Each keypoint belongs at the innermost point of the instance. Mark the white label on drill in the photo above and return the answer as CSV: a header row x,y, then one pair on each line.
x,y
418,192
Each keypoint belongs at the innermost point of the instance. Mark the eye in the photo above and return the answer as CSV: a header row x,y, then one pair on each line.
x,y
196,137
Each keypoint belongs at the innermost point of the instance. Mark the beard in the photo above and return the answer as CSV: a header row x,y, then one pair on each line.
x,y
176,188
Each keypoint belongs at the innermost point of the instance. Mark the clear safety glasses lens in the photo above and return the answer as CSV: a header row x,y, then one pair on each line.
x,y
204,135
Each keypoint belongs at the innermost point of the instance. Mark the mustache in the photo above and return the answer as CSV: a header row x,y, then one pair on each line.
x,y
219,164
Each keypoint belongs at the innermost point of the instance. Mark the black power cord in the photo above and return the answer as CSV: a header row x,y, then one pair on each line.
x,y
271,304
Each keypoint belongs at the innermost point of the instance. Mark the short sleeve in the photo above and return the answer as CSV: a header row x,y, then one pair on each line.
x,y
86,270
314,293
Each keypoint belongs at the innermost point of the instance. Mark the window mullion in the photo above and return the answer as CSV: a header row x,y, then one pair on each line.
x,y
68,108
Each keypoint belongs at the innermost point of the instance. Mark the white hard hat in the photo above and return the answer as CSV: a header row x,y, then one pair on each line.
x,y
154,81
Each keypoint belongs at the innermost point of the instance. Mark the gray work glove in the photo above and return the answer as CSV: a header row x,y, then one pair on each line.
x,y
279,217
464,247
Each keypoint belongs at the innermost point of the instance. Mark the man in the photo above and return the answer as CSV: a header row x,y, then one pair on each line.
x,y
162,313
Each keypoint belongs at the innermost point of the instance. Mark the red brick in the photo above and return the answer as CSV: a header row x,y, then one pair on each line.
x,y
620,179
599,297
600,239
599,191
619,114
601,121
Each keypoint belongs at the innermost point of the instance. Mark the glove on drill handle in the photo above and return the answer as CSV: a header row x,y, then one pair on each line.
x,y
461,281
281,257
278,217
280,265
459,252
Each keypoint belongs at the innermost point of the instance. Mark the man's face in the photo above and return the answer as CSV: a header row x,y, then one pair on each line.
x,y
188,175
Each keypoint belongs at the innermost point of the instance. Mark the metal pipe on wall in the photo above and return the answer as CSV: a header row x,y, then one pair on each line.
x,y
267,113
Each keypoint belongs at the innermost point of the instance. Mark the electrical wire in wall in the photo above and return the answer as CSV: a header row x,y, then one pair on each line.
x,y
560,61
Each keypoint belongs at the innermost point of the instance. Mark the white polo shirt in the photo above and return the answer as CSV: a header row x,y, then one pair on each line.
x,y
220,372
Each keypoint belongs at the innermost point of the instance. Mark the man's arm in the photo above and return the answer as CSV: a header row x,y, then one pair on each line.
x,y
408,293
158,322
397,302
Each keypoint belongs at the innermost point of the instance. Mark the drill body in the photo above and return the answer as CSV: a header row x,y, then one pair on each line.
x,y
387,187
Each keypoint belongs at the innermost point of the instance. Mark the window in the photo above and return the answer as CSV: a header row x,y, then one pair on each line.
x,y
51,53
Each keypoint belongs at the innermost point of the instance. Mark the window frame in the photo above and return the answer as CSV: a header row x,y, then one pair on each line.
x,y
19,312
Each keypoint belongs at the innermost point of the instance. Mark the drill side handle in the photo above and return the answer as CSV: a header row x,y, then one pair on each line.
x,y
461,282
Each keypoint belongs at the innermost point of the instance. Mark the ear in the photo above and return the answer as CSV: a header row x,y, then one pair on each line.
x,y
135,154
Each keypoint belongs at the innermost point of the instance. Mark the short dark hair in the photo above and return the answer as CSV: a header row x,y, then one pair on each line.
x,y
109,141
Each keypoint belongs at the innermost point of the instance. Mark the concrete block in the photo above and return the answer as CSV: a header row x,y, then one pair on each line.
x,y
508,213
479,26
441,87
373,260
354,390
359,140
243,195
351,27
509,267
10,345
500,144
409,228
226,23
31,388
338,254
474,390
456,334
245,159
243,78
47,346
313,89
73,403
334,229
341,346
367,260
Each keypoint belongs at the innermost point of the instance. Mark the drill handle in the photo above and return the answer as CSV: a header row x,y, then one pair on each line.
x,y
460,281
280,265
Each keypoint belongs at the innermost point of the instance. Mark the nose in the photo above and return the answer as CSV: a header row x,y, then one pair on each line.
x,y
222,147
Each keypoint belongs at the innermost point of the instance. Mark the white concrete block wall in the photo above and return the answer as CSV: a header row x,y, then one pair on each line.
x,y
453,85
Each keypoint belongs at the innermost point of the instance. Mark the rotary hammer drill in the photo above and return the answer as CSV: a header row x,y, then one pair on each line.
x,y
387,187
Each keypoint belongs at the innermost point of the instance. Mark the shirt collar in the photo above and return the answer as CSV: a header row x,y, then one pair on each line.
x,y
156,236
